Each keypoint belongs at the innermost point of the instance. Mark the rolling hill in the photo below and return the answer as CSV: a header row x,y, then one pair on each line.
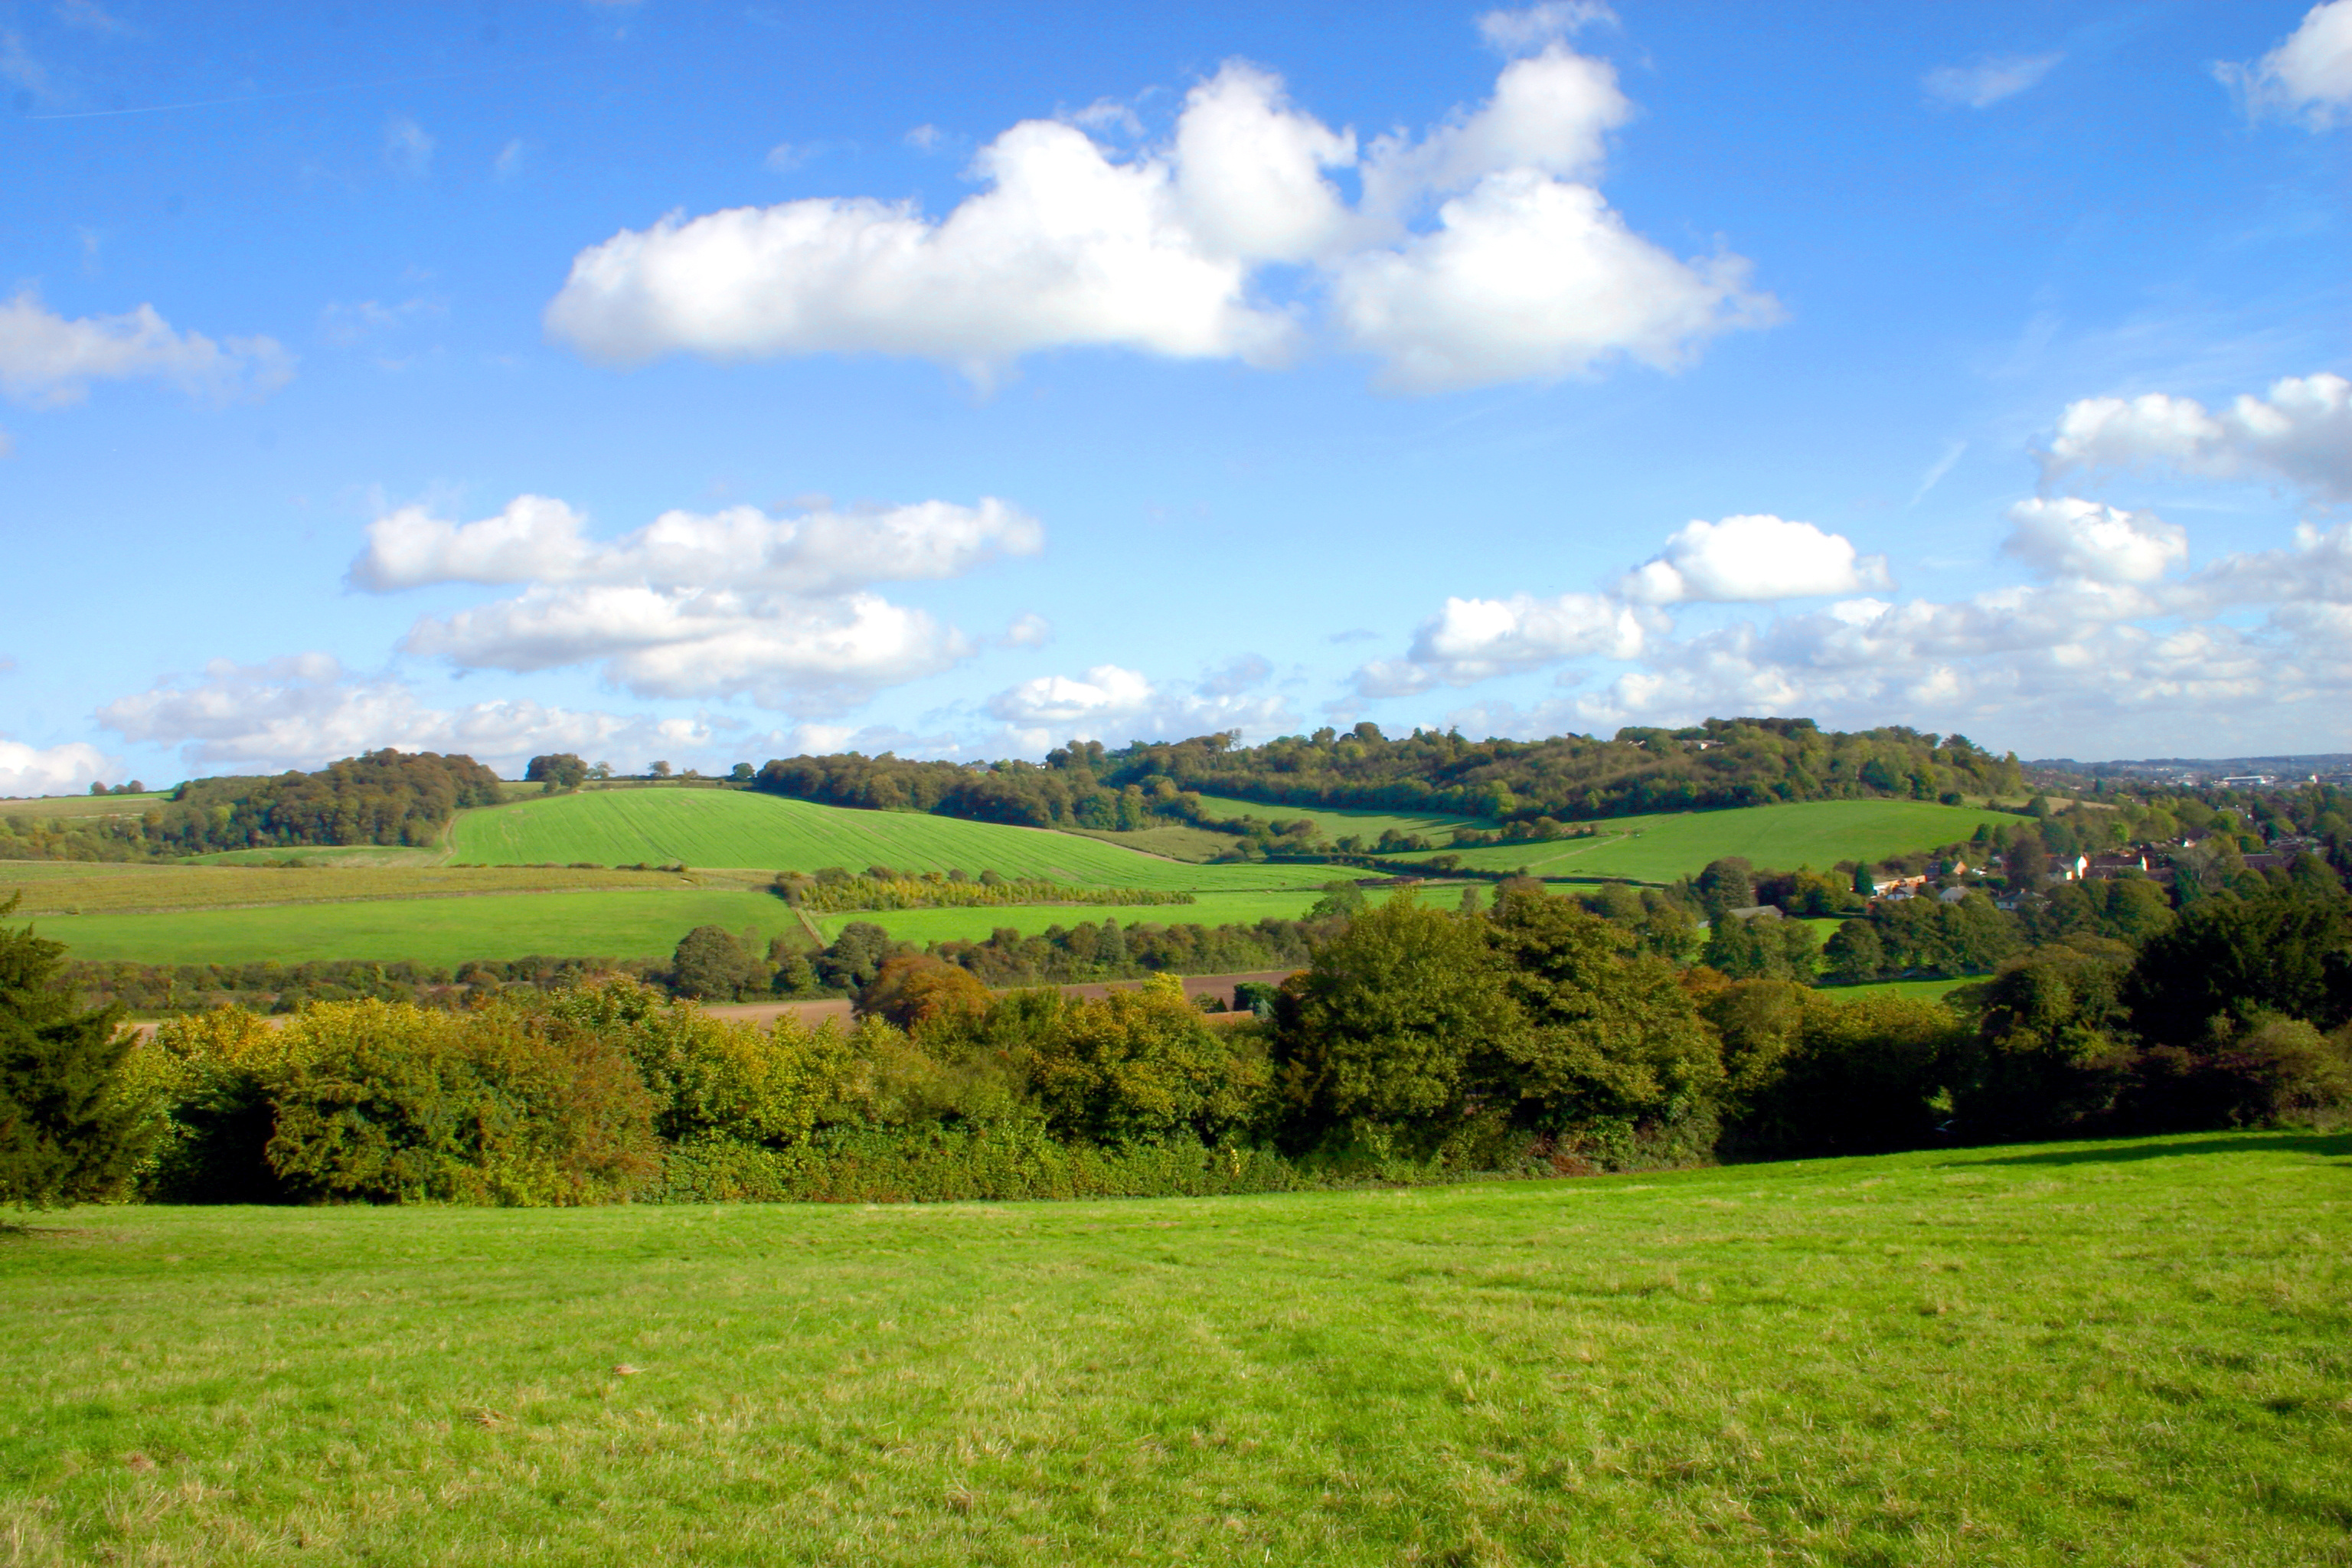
x,y
741,828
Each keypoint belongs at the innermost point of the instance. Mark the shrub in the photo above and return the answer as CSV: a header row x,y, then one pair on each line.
x,y
1140,1065
67,1132
394,1104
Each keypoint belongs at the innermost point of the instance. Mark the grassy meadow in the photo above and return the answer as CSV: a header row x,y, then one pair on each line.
x,y
974,925
741,828
2134,1353
1818,834
51,807
60,886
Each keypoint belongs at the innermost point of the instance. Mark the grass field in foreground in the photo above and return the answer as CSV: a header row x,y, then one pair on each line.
x,y
738,827
2134,1353
974,925
1818,834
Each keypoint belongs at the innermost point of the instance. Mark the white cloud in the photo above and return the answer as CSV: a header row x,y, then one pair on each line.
x,y
1513,31
1029,629
2309,75
510,159
1987,82
1479,253
798,654
732,602
68,769
90,18
1111,703
407,150
48,362
2301,434
1751,558
1477,639
2316,570
304,711
924,138
536,539
2070,537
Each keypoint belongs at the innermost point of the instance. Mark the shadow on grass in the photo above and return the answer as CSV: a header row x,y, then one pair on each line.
x,y
2328,1146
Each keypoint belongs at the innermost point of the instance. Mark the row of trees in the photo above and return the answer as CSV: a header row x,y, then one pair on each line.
x,y
382,798
1415,1042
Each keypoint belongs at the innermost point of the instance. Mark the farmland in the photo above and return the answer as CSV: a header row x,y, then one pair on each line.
x,y
738,828
60,886
1840,1362
974,925
1815,833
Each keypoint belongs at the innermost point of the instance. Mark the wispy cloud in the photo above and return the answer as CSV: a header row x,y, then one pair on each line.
x,y
1985,83
407,150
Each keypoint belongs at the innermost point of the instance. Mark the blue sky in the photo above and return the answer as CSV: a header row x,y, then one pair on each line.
x,y
716,382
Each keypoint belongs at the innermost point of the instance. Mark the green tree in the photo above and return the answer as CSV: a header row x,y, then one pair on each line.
x,y
2287,952
1374,1040
557,771
1855,954
1606,1035
2053,1054
710,964
69,1133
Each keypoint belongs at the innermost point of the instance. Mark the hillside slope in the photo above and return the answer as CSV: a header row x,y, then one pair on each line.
x,y
740,828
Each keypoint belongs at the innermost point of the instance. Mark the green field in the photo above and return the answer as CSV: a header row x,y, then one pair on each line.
x,y
1339,821
2135,1353
1928,990
740,828
1818,834
974,925
82,805
81,888
441,931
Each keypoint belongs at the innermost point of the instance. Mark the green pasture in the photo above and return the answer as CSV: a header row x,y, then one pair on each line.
x,y
1818,834
1927,990
442,932
741,828
974,925
2134,1352
1337,822
57,806
182,886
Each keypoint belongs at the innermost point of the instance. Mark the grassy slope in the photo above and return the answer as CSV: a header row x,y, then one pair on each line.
x,y
1816,833
973,925
1339,823
2132,1352
58,805
735,827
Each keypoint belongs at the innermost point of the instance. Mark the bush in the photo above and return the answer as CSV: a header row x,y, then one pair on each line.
x,y
69,1133
1818,1074
389,1103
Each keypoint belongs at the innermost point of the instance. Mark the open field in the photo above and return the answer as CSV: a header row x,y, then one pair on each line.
x,y
1175,841
1930,989
426,930
326,855
57,806
1337,823
973,925
84,889
2135,1353
1818,834
738,827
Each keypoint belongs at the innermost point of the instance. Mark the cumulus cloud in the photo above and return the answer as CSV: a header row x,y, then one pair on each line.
x,y
734,603
68,769
2301,434
1109,702
2071,537
1513,31
1477,639
50,362
2308,76
536,539
1987,82
1480,252
305,710
1750,558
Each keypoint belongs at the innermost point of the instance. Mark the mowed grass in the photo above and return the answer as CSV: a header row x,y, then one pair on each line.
x,y
439,932
1927,990
69,805
741,828
2135,1353
974,925
1339,822
184,886
1818,834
